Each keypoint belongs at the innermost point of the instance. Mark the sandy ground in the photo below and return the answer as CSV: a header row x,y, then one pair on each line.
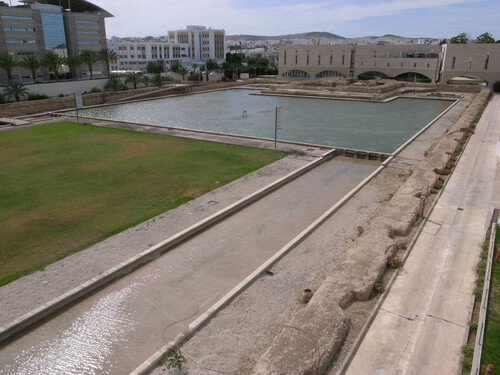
x,y
236,337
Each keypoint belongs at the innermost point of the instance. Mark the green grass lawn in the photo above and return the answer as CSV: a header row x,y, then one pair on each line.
x,y
491,344
64,186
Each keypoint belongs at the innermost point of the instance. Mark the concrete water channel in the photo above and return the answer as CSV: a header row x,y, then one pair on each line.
x,y
117,328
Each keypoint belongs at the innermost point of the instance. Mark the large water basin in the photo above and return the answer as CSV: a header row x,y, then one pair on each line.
x,y
372,126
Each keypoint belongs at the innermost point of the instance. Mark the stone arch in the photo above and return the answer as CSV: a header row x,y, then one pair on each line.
x,y
296,74
496,86
413,76
329,73
372,74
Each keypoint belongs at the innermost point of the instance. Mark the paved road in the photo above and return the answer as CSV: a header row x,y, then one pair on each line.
x,y
119,327
421,325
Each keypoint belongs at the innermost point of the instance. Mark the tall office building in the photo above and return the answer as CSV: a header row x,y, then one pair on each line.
x,y
66,27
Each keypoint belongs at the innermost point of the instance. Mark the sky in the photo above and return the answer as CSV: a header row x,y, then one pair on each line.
x,y
348,18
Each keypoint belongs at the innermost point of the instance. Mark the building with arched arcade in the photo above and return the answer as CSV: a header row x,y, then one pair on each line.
x,y
463,63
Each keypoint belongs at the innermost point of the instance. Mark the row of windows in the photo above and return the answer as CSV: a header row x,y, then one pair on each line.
x,y
87,21
17,17
20,41
88,32
89,42
29,29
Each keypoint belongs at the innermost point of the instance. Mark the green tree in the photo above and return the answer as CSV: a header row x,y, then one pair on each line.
x,y
73,62
485,38
7,64
53,62
157,79
460,39
145,79
154,67
16,91
175,66
133,78
211,64
32,64
108,57
114,84
182,71
89,58
234,63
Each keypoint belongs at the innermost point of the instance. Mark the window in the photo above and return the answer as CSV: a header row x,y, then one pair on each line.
x,y
343,59
307,60
296,57
96,32
331,60
29,29
284,60
487,61
87,21
453,62
17,17
89,42
470,62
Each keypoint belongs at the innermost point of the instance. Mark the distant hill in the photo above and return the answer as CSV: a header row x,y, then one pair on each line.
x,y
388,38
313,34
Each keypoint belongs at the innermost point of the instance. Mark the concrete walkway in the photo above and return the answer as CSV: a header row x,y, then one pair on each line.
x,y
422,324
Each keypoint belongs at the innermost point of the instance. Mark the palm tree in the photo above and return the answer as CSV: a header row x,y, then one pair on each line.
x,y
73,62
145,79
157,79
8,63
89,58
115,84
133,78
32,64
16,91
182,71
54,62
108,57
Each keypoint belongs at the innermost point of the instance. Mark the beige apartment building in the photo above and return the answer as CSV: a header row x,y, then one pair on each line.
x,y
456,63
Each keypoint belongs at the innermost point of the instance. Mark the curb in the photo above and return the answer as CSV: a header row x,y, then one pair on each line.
x,y
148,255
155,359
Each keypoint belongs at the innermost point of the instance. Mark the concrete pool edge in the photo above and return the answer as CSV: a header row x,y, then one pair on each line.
x,y
156,358
56,304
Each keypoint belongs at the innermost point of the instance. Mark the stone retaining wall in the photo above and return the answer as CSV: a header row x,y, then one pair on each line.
x,y
323,318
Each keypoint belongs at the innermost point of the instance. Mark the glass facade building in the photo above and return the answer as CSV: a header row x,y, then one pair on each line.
x,y
53,28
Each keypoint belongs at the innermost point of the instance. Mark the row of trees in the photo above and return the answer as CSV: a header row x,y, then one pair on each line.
x,y
54,62
463,38
237,63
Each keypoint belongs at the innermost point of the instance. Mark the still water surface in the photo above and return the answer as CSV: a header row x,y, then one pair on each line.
x,y
360,125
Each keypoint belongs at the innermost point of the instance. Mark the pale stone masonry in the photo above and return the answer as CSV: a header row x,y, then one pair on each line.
x,y
465,63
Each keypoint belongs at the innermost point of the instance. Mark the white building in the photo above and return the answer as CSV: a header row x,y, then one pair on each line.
x,y
134,55
203,43
196,44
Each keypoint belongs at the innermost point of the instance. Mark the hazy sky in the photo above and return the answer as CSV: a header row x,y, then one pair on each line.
x,y
349,18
